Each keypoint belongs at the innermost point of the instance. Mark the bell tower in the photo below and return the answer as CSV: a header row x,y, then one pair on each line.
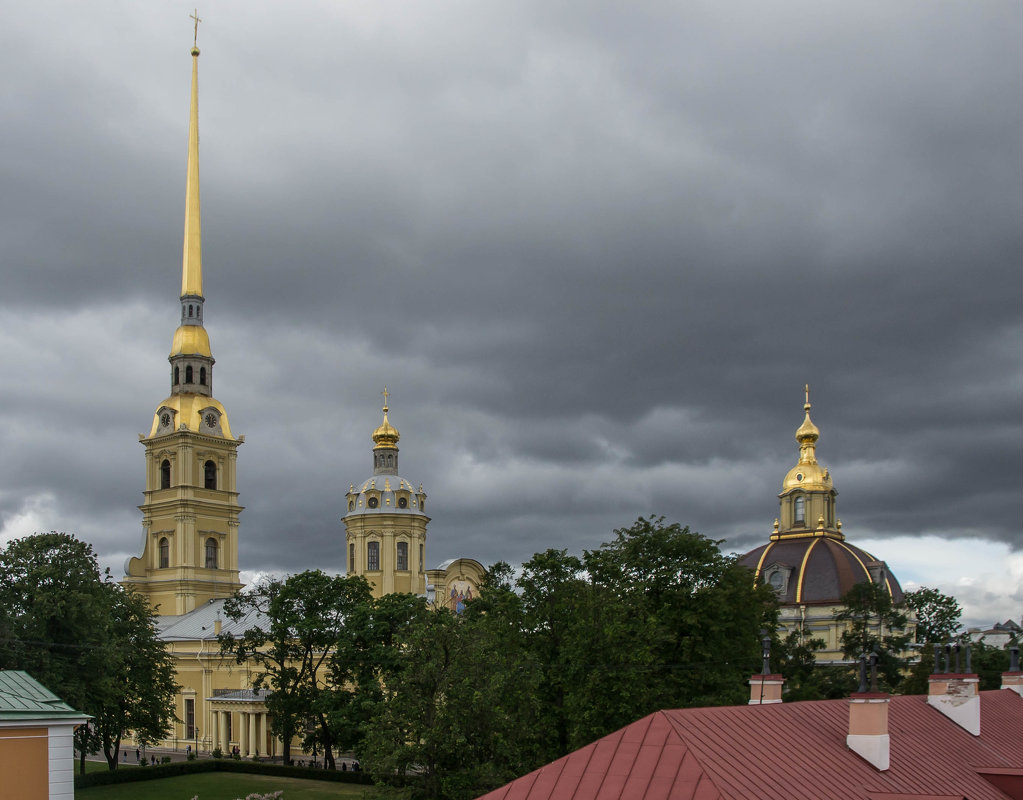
x,y
385,524
190,512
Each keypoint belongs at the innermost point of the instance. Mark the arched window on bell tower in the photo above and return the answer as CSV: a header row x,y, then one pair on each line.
x,y
211,553
165,474
210,475
188,374
164,553
799,510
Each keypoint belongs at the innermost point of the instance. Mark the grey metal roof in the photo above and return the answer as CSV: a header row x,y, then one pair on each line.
x,y
200,623
23,697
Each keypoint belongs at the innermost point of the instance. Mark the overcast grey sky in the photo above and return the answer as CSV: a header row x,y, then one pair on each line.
x,y
593,249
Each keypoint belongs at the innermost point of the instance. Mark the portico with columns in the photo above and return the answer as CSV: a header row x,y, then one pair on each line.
x,y
240,718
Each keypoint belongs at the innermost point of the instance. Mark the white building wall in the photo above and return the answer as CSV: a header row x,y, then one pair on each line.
x,y
62,762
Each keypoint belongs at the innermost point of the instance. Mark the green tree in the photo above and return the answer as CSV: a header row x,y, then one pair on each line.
x,y
938,615
367,653
569,650
84,638
294,625
874,624
139,676
795,657
554,598
696,612
458,710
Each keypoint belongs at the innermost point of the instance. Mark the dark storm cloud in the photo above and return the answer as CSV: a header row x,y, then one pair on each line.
x,y
595,251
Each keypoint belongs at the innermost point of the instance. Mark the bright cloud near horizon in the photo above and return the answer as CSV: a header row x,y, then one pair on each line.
x,y
594,251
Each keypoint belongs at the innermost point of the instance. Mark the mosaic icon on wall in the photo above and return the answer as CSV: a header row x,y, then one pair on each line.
x,y
459,593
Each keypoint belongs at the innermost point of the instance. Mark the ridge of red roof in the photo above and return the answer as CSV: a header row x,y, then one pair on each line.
x,y
775,752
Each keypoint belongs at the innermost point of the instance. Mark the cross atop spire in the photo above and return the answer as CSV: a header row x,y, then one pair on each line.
x,y
195,38
386,394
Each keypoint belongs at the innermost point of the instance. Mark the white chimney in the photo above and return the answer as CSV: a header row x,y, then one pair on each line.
x,y
954,694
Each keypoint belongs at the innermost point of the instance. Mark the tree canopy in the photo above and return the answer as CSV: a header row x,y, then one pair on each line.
x,y
938,615
87,639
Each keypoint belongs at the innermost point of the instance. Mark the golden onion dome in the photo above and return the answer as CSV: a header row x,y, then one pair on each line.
x,y
807,433
807,474
386,435
191,340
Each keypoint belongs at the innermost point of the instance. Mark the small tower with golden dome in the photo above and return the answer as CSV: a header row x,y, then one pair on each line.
x,y
190,513
385,521
807,560
808,495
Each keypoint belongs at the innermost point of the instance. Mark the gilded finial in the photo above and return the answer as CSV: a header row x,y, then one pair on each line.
x,y
806,405
386,435
195,36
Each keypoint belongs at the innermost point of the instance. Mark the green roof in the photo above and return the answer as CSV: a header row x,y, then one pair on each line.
x,y
23,697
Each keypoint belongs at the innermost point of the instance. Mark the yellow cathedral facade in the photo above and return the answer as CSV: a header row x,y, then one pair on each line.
x,y
189,561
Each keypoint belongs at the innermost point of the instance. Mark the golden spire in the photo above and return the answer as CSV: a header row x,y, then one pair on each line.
x,y
807,435
191,268
386,435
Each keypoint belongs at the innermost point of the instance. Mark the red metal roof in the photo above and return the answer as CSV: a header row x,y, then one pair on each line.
x,y
786,750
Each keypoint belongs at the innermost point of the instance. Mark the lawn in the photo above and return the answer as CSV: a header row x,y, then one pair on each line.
x,y
224,786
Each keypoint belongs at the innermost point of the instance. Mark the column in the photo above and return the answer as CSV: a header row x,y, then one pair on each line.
x,y
215,730
264,748
243,733
225,746
253,741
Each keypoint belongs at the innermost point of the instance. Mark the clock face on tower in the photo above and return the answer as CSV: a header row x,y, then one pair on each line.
x,y
165,420
211,420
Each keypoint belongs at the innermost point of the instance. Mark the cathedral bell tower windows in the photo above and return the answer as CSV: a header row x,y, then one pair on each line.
x,y
164,553
165,478
402,556
211,553
210,475
799,510
373,556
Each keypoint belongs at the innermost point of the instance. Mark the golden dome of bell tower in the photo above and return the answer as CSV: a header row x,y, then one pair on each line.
x,y
190,513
